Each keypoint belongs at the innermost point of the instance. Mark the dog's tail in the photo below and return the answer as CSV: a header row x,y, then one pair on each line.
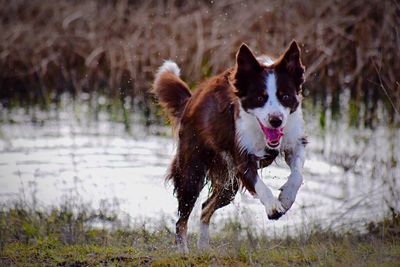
x,y
172,93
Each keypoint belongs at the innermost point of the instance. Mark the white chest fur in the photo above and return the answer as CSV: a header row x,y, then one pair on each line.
x,y
294,130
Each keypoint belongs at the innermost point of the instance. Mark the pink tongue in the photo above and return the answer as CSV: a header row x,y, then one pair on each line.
x,y
272,135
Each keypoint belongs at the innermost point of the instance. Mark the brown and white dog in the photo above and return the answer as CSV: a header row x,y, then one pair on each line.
x,y
232,125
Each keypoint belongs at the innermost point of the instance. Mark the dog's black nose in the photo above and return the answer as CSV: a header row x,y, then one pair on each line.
x,y
275,121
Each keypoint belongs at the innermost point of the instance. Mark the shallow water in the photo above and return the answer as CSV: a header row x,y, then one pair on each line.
x,y
351,176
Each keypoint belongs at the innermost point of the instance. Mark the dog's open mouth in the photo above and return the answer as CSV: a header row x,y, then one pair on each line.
x,y
273,136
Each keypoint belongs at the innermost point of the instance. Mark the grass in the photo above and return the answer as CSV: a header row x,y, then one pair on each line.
x,y
341,253
63,237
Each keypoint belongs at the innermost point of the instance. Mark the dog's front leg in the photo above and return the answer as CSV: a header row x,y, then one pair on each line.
x,y
252,181
273,206
294,157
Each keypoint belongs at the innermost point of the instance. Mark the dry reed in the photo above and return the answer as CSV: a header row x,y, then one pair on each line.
x,y
114,47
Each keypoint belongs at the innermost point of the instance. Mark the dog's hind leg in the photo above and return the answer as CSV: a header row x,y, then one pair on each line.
x,y
189,180
219,198
224,188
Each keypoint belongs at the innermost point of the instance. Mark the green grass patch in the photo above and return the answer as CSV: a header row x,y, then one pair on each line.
x,y
372,252
65,237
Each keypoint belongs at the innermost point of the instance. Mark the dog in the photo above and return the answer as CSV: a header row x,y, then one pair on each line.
x,y
232,125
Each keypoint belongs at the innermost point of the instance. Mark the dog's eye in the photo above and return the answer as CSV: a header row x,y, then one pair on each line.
x,y
260,99
285,97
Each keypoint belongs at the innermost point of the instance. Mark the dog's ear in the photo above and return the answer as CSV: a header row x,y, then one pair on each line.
x,y
247,67
290,62
246,62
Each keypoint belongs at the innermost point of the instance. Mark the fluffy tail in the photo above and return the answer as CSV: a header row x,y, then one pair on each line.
x,y
172,93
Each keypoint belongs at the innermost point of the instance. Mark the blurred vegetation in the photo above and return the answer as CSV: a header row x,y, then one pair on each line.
x,y
112,48
69,237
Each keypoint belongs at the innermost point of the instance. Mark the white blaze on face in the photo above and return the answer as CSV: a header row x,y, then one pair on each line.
x,y
272,107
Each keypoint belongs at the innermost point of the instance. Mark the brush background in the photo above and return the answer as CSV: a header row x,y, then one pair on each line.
x,y
351,48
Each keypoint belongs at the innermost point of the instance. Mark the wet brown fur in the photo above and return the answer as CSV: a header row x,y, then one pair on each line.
x,y
172,101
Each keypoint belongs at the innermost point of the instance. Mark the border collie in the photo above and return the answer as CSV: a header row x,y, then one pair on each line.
x,y
232,125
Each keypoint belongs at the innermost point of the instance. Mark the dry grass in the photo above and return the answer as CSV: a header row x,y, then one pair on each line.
x,y
64,237
114,47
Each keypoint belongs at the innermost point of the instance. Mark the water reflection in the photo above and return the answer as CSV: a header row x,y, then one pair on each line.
x,y
351,176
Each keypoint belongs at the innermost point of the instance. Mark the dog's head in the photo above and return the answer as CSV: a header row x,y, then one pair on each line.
x,y
270,92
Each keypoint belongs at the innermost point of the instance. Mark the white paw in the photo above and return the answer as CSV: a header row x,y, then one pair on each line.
x,y
203,244
274,209
182,248
181,245
204,237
